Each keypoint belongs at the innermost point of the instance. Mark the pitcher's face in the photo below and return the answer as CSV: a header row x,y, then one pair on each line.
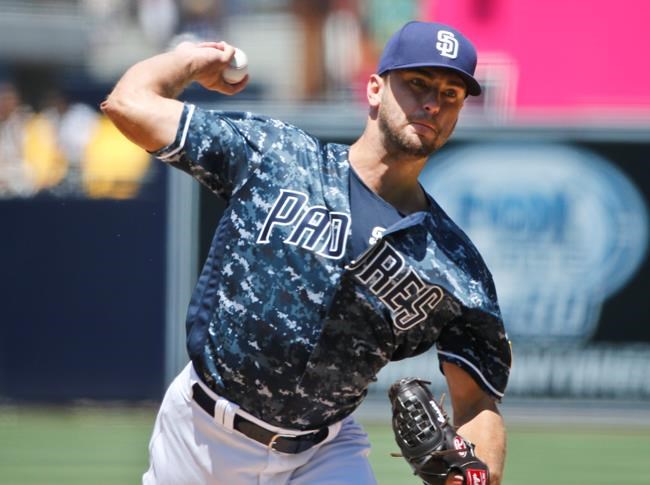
x,y
419,109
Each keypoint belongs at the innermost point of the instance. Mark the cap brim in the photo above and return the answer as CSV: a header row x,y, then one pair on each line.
x,y
473,87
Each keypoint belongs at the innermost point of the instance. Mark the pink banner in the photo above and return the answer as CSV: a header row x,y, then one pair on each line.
x,y
566,54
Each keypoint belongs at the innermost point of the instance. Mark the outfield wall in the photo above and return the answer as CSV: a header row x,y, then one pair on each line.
x,y
593,372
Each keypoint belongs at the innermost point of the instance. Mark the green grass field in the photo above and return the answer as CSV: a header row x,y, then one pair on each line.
x,y
102,446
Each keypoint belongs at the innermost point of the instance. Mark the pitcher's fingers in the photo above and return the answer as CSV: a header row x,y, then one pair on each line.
x,y
215,45
454,480
230,89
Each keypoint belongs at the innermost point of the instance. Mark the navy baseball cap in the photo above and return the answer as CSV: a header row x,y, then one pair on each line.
x,y
428,44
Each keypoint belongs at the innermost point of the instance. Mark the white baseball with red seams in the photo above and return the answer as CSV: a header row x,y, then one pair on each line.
x,y
237,69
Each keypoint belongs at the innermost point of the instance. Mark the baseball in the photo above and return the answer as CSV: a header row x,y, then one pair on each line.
x,y
237,69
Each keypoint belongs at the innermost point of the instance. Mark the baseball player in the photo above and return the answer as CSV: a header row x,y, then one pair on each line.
x,y
329,262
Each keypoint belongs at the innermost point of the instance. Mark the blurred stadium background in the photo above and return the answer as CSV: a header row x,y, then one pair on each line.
x,y
549,173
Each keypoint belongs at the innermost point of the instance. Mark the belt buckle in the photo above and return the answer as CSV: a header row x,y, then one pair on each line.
x,y
275,438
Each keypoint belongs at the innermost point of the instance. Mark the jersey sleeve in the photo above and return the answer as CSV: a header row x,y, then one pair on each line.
x,y
477,343
222,150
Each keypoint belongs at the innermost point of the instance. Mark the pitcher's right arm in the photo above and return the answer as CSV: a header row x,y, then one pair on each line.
x,y
142,104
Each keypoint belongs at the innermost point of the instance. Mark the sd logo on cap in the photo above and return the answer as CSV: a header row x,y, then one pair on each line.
x,y
429,44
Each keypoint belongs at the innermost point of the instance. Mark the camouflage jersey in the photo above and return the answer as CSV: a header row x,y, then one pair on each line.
x,y
284,320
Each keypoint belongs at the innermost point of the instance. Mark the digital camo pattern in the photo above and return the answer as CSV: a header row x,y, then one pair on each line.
x,y
284,320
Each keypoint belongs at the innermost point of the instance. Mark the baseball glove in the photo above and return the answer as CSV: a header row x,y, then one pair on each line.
x,y
427,439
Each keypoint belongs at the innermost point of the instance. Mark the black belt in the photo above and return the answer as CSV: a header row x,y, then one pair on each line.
x,y
276,441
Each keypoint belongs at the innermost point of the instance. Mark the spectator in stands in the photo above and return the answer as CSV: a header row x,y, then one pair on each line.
x,y
15,179
73,124
201,18
158,20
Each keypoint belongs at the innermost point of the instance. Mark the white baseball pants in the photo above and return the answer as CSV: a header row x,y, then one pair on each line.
x,y
190,447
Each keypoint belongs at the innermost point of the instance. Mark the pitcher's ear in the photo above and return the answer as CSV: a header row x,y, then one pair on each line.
x,y
375,89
